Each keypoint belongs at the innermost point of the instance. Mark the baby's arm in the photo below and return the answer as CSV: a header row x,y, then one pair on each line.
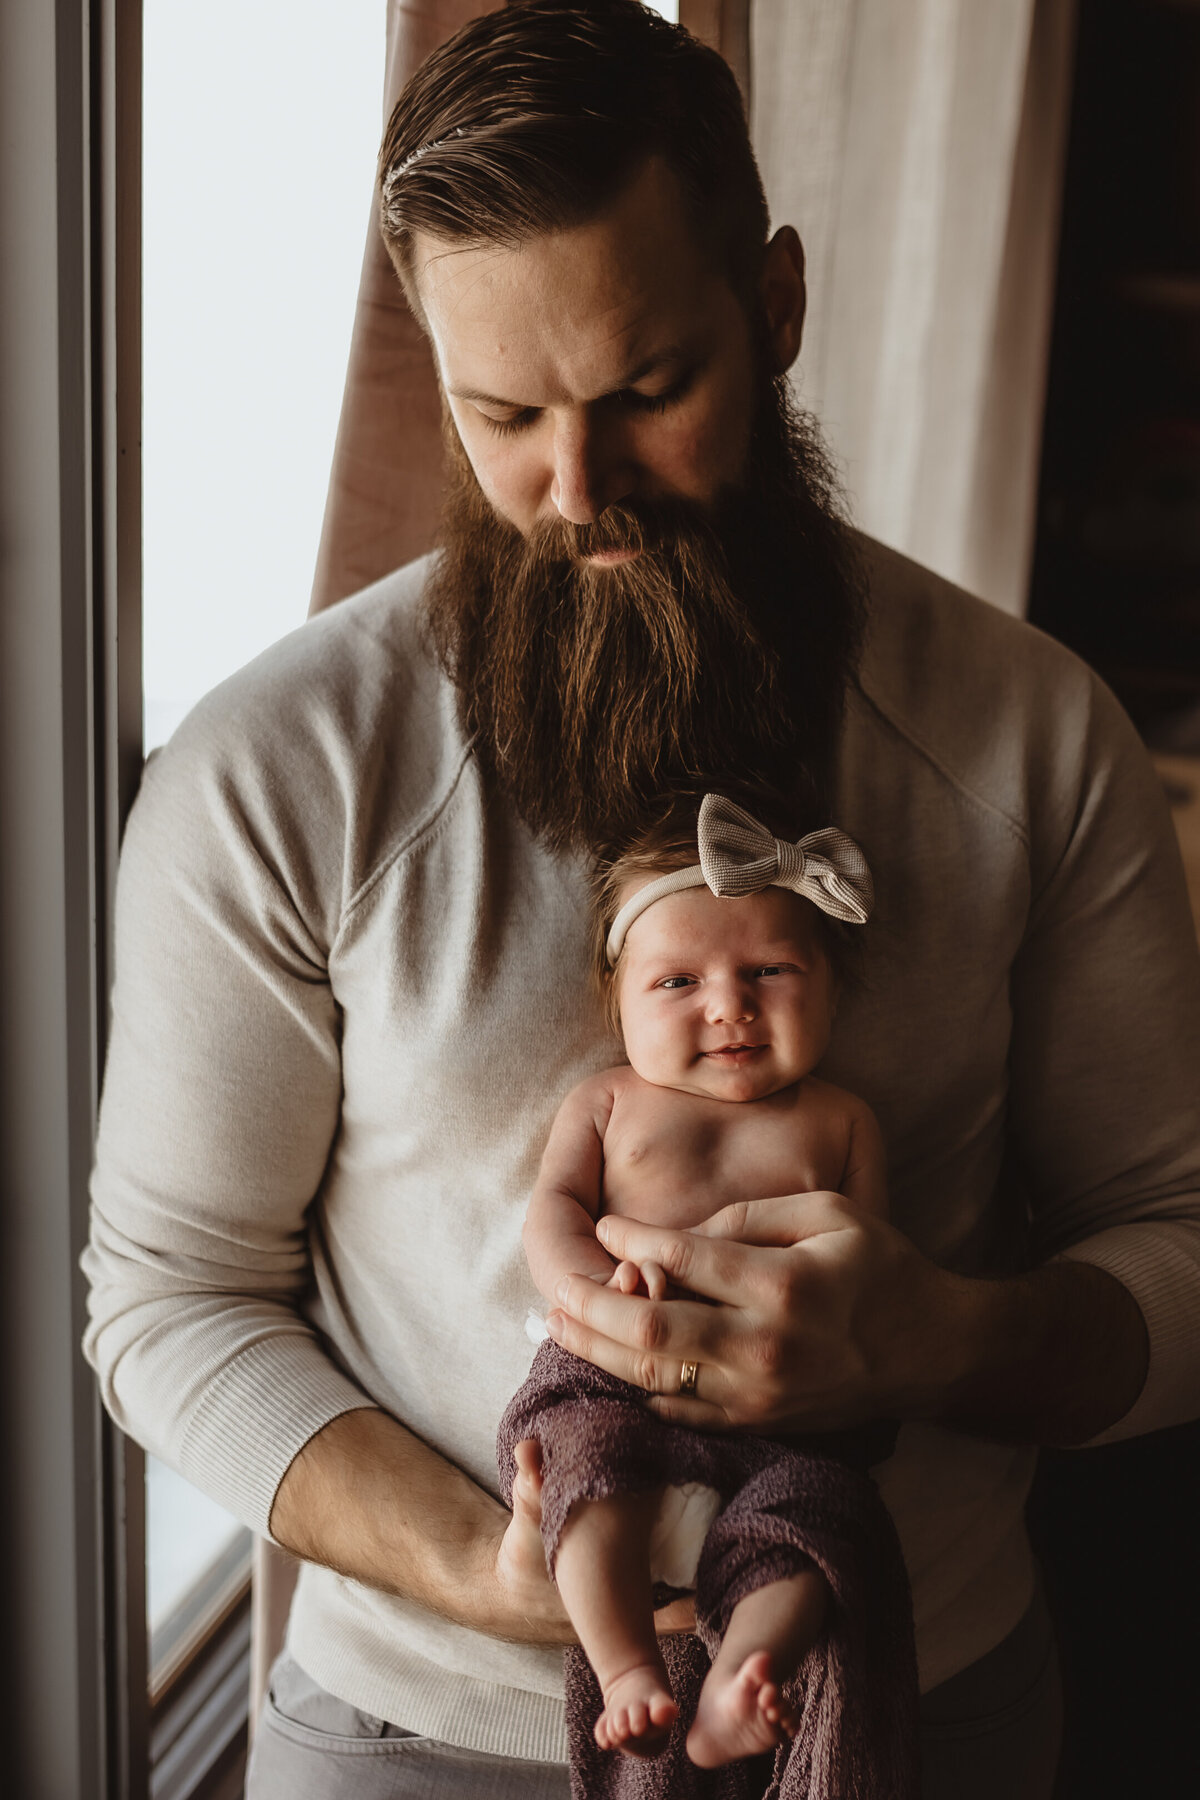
x,y
864,1179
560,1224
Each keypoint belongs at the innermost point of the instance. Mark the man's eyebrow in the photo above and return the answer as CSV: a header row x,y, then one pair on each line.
x,y
673,353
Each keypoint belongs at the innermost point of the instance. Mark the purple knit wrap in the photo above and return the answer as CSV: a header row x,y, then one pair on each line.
x,y
785,1508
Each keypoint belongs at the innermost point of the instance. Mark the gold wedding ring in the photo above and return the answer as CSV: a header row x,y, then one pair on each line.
x,y
687,1377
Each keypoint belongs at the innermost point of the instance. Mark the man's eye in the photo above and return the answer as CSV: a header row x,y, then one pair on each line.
x,y
507,427
654,403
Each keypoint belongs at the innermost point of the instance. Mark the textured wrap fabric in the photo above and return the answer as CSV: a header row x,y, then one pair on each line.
x,y
786,1508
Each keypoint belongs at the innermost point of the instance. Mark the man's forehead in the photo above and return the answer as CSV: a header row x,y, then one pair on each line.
x,y
572,314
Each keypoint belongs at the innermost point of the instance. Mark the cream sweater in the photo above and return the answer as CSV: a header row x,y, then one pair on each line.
x,y
351,992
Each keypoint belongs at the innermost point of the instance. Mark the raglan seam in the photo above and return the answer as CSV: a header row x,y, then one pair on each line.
x,y
425,831
980,802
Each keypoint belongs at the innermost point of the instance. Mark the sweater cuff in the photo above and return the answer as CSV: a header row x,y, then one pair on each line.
x,y
1159,1262
256,1417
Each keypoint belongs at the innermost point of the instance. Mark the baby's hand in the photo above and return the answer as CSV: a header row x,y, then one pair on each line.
x,y
645,1278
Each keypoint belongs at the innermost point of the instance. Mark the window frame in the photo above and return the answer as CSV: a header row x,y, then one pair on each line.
x,y
77,1714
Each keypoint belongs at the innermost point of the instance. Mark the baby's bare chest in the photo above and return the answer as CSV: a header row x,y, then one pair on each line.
x,y
674,1159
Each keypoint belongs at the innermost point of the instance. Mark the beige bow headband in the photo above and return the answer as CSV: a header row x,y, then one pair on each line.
x,y
738,856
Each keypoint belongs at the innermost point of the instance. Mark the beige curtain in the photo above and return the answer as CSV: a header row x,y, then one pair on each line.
x,y
917,145
385,483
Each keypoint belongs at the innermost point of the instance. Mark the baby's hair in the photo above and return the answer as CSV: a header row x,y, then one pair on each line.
x,y
669,843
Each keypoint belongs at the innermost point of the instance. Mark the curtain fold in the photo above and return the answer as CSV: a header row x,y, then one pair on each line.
x,y
725,26
918,146
385,483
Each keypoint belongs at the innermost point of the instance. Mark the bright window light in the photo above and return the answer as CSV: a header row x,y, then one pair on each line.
x,y
261,125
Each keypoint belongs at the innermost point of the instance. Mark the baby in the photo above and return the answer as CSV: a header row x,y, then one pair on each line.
x,y
717,946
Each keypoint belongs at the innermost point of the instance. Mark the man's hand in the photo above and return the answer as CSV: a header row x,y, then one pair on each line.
x,y
368,1498
825,1317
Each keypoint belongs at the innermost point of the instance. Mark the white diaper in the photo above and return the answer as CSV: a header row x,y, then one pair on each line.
x,y
680,1528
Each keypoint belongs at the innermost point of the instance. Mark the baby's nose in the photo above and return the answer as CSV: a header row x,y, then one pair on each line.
x,y
731,1000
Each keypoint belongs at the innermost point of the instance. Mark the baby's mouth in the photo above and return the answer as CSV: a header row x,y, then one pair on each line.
x,y
734,1052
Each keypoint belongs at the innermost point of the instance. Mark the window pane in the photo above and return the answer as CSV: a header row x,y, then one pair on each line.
x,y
261,126
196,1554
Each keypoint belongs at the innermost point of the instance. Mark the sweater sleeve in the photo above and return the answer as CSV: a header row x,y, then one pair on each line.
x,y
1105,1096
221,1101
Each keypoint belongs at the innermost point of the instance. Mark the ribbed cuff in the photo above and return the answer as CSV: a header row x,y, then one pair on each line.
x,y
1159,1262
256,1416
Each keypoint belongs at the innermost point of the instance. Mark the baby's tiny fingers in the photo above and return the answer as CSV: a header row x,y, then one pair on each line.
x,y
655,1279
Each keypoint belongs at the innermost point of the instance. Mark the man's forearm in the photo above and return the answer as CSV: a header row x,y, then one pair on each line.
x,y
1051,1357
367,1498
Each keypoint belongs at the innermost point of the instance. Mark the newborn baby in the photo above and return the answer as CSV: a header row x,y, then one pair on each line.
x,y
726,1006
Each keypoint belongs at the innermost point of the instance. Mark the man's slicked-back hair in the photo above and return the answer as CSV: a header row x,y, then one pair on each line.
x,y
532,119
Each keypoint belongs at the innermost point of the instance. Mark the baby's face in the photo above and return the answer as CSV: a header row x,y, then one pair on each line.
x,y
733,999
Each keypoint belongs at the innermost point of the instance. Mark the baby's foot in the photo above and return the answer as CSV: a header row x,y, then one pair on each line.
x,y
521,1555
739,1715
638,1713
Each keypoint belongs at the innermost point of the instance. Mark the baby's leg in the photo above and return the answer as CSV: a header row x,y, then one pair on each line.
x,y
741,1709
603,1574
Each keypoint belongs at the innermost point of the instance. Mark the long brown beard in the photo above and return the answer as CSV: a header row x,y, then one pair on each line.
x,y
720,653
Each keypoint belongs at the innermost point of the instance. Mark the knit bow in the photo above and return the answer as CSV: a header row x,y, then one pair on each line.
x,y
738,856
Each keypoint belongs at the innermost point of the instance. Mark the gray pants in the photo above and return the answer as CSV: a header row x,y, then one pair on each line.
x,y
990,1733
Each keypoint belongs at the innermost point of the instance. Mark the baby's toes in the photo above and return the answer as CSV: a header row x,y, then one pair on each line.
x,y
776,1710
750,1682
663,1710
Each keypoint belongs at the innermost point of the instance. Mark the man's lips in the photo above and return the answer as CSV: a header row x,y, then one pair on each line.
x,y
608,559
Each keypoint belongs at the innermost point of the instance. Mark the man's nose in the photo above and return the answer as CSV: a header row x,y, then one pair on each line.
x,y
590,469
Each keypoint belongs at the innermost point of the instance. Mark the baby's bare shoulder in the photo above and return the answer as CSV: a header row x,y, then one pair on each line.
x,y
612,1090
852,1136
838,1106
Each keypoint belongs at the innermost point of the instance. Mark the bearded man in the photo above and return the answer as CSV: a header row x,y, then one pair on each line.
x,y
352,976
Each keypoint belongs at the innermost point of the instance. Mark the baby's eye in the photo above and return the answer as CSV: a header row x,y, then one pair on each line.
x,y
676,981
771,969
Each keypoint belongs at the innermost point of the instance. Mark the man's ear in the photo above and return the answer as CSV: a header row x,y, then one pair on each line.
x,y
783,295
